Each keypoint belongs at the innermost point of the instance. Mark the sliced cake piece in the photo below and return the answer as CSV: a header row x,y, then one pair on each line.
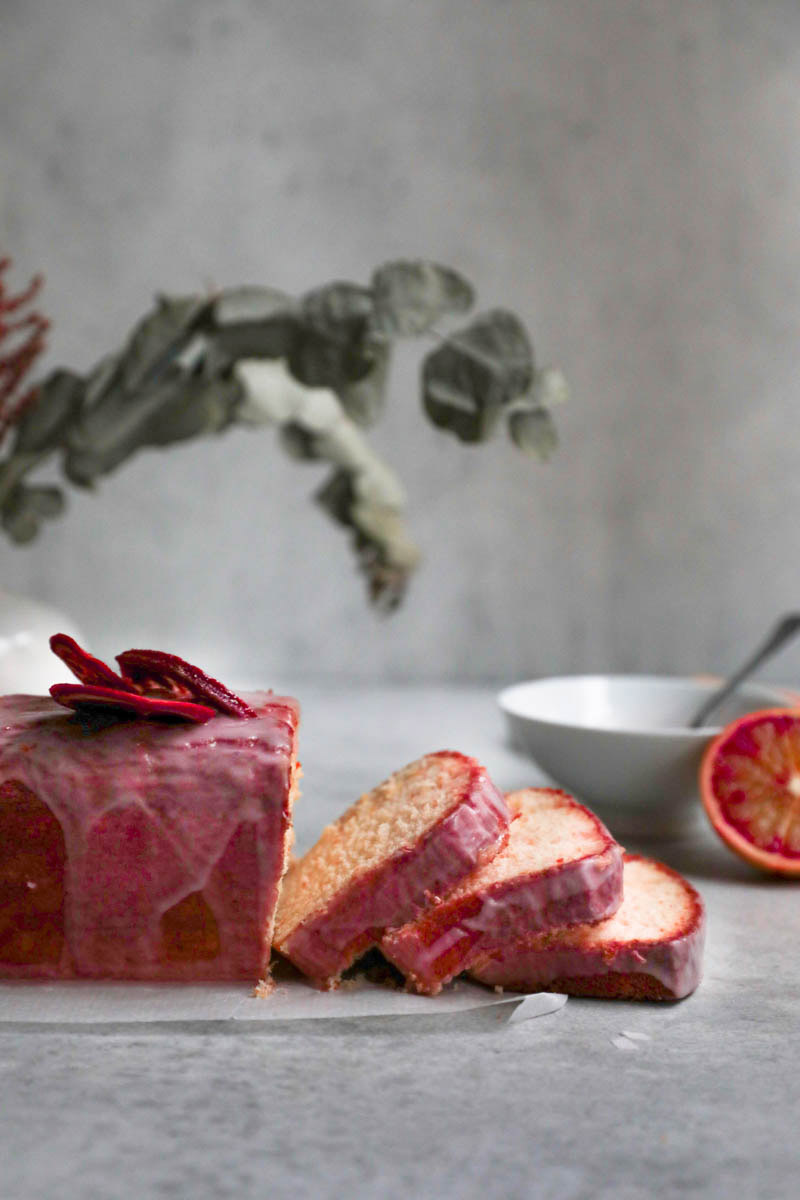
x,y
651,949
386,859
141,849
559,867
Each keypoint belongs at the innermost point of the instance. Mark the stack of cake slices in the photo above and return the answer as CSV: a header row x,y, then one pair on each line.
x,y
527,892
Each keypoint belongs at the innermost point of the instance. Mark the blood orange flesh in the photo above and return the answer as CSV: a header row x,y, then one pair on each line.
x,y
750,786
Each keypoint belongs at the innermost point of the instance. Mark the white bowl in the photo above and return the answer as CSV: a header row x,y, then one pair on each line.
x,y
621,742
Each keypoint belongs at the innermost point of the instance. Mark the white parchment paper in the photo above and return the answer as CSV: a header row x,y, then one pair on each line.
x,y
103,1004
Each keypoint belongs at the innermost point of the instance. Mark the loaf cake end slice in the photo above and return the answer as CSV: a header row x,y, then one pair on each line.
x,y
388,857
651,949
559,867
141,849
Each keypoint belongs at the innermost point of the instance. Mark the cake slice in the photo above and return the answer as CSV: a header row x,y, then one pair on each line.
x,y
386,859
651,949
142,849
559,867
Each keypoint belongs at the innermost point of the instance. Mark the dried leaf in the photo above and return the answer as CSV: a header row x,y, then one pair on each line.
x,y
176,408
249,306
412,295
25,509
158,337
254,323
364,399
386,554
317,361
199,406
44,425
99,379
336,497
533,430
331,347
476,371
550,388
299,443
338,310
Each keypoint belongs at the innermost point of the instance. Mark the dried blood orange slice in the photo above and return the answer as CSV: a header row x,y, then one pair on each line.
x,y
85,666
750,786
155,672
83,697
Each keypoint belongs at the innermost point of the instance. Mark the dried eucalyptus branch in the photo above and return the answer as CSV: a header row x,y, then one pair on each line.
x,y
316,368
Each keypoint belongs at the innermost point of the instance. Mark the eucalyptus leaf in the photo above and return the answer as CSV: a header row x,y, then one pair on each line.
x,y
254,323
549,389
534,431
363,400
158,337
385,555
26,508
100,378
12,472
331,347
386,583
384,527
336,497
339,310
475,373
316,361
45,423
198,406
268,339
193,355
384,550
249,305
299,442
410,296
104,436
175,409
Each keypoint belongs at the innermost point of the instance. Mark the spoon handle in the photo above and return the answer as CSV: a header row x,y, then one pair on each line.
x,y
785,629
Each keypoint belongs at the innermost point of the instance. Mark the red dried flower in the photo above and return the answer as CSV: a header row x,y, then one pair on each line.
x,y
26,333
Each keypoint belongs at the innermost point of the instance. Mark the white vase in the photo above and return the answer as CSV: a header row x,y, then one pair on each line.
x,y
27,664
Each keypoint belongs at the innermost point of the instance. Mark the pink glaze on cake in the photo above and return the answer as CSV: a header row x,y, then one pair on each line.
x,y
651,949
559,867
388,858
141,849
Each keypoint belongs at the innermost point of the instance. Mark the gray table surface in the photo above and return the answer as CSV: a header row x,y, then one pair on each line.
x,y
561,1106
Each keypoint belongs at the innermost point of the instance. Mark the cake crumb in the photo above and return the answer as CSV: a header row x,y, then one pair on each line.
x,y
264,988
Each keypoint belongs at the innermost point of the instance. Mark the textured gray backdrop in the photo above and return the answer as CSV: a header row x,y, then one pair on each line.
x,y
626,175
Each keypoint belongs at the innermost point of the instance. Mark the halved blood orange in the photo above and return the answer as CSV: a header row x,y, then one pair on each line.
x,y
750,786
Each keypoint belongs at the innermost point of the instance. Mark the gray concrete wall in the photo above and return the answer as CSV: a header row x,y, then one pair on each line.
x,y
625,175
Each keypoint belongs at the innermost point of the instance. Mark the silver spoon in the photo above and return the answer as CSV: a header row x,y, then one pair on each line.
x,y
786,628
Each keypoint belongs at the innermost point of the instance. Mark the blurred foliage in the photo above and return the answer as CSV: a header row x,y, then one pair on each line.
x,y
317,369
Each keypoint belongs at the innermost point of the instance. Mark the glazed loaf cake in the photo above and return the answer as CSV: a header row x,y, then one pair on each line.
x,y
560,867
651,949
142,849
386,860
